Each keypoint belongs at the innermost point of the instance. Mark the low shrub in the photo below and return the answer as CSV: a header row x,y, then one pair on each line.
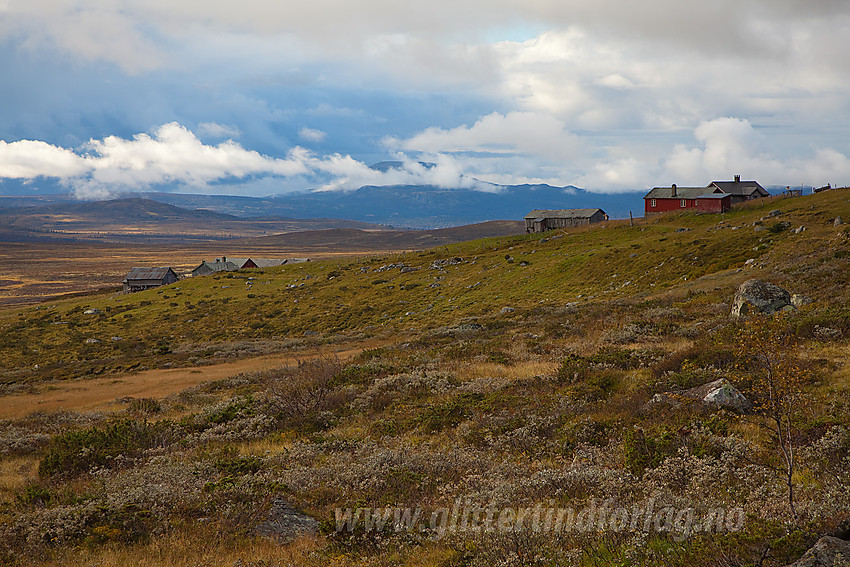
x,y
77,452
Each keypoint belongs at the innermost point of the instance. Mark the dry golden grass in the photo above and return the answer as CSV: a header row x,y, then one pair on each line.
x,y
101,393
193,549
15,474
520,371
268,445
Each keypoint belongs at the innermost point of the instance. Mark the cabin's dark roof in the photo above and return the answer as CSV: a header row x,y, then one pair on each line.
x,y
562,213
740,188
681,193
219,266
148,273
266,262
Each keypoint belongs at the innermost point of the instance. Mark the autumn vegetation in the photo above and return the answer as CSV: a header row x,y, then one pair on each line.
x,y
511,371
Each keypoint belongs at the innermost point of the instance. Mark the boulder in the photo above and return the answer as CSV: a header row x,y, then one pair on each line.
x,y
827,552
284,523
718,393
759,297
722,393
798,300
838,221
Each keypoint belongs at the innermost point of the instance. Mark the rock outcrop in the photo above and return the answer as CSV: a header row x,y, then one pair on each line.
x,y
757,296
827,552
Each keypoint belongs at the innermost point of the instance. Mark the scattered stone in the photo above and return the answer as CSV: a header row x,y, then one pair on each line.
x,y
523,263
507,310
838,221
760,297
719,393
91,311
284,523
310,333
759,228
799,229
828,333
116,339
750,262
92,341
774,213
683,230
722,393
798,300
443,262
827,552
408,269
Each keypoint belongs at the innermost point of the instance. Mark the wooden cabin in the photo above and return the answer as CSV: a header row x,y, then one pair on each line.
x,y
541,220
140,279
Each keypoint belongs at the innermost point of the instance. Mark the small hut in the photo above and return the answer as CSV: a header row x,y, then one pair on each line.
x,y
541,220
140,279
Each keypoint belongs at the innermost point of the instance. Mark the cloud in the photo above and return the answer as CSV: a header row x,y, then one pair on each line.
x,y
214,130
513,133
312,135
173,156
27,159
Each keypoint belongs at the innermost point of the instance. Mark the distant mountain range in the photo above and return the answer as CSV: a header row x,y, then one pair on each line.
x,y
414,206
403,206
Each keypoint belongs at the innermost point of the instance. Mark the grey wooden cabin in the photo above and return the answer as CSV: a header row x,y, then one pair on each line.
x,y
541,220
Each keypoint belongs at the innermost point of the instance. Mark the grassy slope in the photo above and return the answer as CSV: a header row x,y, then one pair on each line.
x,y
537,403
595,265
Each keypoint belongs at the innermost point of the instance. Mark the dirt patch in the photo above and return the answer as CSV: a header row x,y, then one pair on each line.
x,y
101,393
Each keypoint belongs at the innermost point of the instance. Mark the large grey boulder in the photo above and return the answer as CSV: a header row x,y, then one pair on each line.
x,y
718,393
757,296
722,393
827,552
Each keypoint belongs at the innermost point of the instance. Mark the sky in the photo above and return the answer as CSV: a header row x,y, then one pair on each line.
x,y
103,97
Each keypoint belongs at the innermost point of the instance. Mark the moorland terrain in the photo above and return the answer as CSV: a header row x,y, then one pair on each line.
x,y
67,248
505,372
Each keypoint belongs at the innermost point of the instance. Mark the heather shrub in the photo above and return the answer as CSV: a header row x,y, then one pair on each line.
x,y
77,452
573,369
642,451
450,413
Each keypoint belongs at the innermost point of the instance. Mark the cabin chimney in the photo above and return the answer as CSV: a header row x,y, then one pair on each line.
x,y
674,190
737,179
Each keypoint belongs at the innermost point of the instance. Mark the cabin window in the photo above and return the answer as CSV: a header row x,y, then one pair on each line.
x,y
684,203
652,203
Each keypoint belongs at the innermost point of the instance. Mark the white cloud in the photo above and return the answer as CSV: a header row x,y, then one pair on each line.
x,y
312,135
27,159
214,130
528,133
173,155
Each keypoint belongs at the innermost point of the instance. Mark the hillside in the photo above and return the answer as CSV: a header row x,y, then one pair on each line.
x,y
120,220
511,374
356,240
